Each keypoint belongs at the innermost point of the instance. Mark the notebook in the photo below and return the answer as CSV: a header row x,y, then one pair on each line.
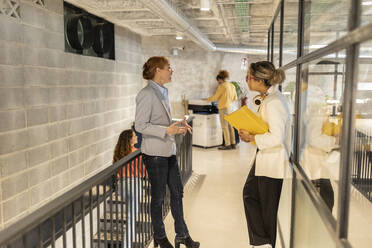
x,y
244,118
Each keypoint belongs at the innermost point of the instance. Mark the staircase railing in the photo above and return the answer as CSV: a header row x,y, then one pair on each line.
x,y
110,209
362,165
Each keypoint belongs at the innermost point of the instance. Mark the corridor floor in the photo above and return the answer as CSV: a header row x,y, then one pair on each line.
x,y
213,197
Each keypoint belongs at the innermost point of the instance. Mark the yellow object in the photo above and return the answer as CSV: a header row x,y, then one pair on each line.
x,y
245,119
225,95
331,129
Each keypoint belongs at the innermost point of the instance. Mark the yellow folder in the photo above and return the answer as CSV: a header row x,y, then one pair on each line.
x,y
244,118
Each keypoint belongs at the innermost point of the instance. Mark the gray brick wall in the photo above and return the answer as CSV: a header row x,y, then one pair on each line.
x,y
60,113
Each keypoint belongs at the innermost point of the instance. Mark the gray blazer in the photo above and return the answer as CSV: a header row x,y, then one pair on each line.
x,y
152,120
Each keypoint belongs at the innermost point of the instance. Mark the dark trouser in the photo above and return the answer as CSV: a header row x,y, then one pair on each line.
x,y
325,189
163,171
261,201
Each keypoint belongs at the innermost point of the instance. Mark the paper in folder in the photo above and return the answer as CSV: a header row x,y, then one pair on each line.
x,y
244,118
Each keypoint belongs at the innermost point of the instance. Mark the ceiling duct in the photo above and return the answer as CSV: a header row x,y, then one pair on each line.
x,y
171,14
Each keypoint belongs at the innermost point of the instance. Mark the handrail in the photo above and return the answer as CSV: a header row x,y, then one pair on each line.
x,y
51,208
122,185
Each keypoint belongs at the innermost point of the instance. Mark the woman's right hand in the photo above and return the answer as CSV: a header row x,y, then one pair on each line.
x,y
175,128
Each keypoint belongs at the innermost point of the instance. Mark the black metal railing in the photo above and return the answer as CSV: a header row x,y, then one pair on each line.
x,y
110,209
362,164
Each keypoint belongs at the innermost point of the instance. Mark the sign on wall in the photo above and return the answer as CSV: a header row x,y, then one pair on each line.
x,y
87,34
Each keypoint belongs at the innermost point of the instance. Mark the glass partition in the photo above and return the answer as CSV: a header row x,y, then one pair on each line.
x,y
284,213
366,11
325,22
269,44
361,189
290,27
276,40
322,82
321,98
285,204
309,230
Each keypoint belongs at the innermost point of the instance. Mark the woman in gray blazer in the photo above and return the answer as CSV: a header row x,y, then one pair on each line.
x,y
154,122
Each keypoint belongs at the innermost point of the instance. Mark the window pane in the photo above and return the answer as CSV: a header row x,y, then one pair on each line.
x,y
366,11
320,130
290,31
270,44
289,87
276,40
309,230
325,21
284,211
361,189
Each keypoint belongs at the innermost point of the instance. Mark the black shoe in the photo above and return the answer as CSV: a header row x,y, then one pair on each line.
x,y
164,243
233,146
224,148
188,242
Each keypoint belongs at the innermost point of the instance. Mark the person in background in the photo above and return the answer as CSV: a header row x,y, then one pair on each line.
x,y
225,95
132,173
154,121
263,187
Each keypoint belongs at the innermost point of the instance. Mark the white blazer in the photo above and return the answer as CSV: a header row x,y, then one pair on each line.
x,y
272,158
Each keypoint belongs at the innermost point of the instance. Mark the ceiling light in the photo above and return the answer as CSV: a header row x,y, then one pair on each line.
x,y
367,3
204,5
365,86
179,37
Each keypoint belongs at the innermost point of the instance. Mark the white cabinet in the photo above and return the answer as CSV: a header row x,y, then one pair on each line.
x,y
207,130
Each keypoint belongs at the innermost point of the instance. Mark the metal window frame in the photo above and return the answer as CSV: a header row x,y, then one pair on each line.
x,y
348,134
350,41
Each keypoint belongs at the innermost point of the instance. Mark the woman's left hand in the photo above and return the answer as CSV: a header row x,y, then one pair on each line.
x,y
246,136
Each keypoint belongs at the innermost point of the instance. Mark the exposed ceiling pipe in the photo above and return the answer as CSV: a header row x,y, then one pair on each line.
x,y
164,9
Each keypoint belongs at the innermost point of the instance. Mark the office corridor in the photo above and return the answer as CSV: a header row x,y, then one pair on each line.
x,y
213,197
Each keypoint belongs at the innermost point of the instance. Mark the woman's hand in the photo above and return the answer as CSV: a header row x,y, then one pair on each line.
x,y
246,136
176,129
186,125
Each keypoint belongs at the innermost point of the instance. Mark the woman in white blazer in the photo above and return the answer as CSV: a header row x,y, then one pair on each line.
x,y
262,189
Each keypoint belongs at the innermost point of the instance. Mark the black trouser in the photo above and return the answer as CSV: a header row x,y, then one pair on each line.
x,y
261,201
164,171
325,189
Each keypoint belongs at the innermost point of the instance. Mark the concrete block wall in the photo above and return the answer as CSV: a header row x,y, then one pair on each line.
x,y
60,113
195,69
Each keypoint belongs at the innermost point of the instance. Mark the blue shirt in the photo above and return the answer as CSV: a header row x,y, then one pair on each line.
x,y
164,93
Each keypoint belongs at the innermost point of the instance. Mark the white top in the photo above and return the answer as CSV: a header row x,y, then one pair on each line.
x,y
272,158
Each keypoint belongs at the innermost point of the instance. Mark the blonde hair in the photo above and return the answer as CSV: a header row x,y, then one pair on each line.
x,y
265,70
